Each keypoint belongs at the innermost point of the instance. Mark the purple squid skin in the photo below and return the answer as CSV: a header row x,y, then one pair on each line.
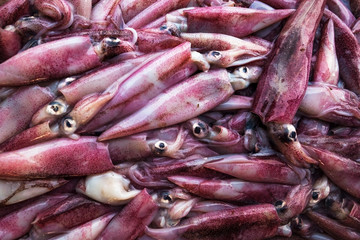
x,y
255,169
17,223
99,80
332,104
10,44
71,212
344,172
327,67
332,227
282,3
254,222
348,53
16,110
13,10
64,58
339,8
130,8
282,86
130,223
155,11
232,190
237,22
58,157
355,7
145,83
173,106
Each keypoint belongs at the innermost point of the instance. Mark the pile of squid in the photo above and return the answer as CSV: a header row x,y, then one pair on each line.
x,y
180,119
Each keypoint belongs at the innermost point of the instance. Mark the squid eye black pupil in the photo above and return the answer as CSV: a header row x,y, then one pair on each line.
x,y
55,108
163,27
197,130
161,145
68,124
167,198
215,53
245,69
315,195
293,134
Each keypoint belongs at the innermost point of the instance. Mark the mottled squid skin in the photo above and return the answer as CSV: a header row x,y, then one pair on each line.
x,y
355,7
234,21
327,67
13,10
59,157
332,227
221,42
344,172
131,8
345,146
67,214
153,42
10,43
254,222
339,8
17,223
16,110
348,53
183,101
82,7
155,11
256,169
130,223
232,190
99,80
106,14
63,58
282,85
145,83
89,230
331,104
282,3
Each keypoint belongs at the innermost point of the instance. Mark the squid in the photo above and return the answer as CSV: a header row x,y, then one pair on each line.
x,y
130,223
232,190
58,157
206,90
13,10
67,214
234,21
248,222
28,66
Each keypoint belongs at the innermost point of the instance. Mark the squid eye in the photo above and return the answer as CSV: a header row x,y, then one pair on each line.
x,y
160,147
215,53
200,129
289,133
315,195
165,197
56,108
112,41
297,223
27,18
68,125
244,69
281,206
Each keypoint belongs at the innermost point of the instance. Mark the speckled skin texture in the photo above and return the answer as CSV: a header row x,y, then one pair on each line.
x,y
249,222
146,83
332,227
348,53
155,11
51,60
182,102
13,10
268,169
233,190
131,8
237,22
59,157
344,172
131,221
17,223
283,82
16,111
67,214
10,44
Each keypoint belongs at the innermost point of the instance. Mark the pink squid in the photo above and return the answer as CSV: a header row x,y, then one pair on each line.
x,y
28,67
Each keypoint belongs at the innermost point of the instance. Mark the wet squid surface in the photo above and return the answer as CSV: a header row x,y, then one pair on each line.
x,y
179,119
